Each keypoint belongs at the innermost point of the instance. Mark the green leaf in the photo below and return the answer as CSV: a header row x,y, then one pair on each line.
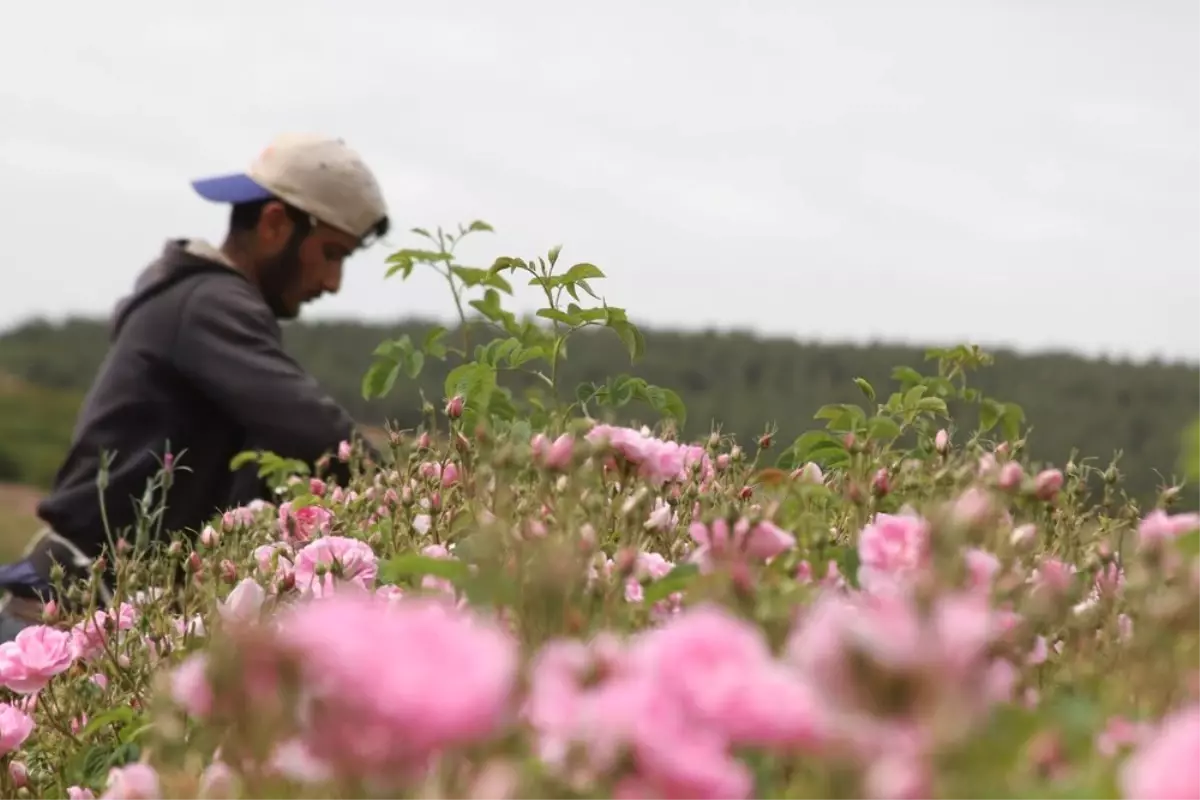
x,y
470,379
879,428
242,459
480,225
411,565
674,581
907,375
913,396
380,378
673,406
558,316
935,404
807,442
1012,419
433,342
866,388
121,714
630,336
428,256
582,272
552,256
990,412
412,366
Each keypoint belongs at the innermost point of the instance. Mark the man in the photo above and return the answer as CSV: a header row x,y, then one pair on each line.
x,y
196,362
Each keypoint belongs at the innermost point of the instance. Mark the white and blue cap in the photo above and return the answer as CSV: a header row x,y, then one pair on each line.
x,y
317,174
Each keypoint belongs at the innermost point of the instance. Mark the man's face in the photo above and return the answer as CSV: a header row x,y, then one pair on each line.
x,y
294,269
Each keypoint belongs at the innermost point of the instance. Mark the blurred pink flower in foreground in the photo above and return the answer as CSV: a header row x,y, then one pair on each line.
x,y
677,700
388,685
1167,764
132,782
1159,526
553,455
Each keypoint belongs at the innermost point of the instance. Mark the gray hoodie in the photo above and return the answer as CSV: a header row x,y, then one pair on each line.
x,y
196,360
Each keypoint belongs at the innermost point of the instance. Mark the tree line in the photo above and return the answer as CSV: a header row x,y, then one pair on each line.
x,y
739,382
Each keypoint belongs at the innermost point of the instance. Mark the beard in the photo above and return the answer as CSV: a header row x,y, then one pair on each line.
x,y
277,278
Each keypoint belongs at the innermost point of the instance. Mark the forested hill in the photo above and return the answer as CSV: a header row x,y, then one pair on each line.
x,y
739,381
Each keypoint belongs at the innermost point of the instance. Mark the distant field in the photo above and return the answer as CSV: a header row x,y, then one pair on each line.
x,y
17,519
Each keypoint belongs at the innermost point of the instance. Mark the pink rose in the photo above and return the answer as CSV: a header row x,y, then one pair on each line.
x,y
132,782
36,655
304,524
1165,766
891,550
15,727
332,559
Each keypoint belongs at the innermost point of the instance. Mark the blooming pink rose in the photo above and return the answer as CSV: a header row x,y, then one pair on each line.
x,y
305,523
341,559
132,782
982,567
891,550
78,793
36,655
15,727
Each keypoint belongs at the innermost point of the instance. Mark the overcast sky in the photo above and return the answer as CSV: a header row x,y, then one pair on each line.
x,y
1016,173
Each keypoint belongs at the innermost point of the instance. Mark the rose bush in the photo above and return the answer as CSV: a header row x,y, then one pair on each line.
x,y
526,600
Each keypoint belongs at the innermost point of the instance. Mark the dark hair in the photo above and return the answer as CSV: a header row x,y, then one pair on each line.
x,y
244,217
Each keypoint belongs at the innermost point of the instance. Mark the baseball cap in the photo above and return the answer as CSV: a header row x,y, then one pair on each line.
x,y
317,174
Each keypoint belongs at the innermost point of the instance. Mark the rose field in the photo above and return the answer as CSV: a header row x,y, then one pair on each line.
x,y
529,598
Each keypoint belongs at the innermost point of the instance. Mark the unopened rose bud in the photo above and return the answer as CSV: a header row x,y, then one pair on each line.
x,y
735,454
1011,476
209,536
746,493
194,564
879,484
810,473
1023,537
287,580
344,451
123,546
168,462
454,408
625,561
17,774
849,442
941,442
723,461
316,486
1047,484
435,501
229,571
423,441
175,548
50,611
764,441
1003,449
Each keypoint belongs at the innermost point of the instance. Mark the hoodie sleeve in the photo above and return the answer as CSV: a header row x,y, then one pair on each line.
x,y
228,344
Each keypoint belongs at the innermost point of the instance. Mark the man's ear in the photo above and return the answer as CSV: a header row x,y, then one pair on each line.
x,y
274,226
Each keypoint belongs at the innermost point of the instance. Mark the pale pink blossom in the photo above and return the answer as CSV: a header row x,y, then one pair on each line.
x,y
15,727
36,655
982,568
79,793
132,782
1158,526
243,603
190,687
305,523
720,542
332,560
1048,483
891,550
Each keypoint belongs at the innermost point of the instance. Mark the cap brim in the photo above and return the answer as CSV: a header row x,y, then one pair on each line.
x,y
236,188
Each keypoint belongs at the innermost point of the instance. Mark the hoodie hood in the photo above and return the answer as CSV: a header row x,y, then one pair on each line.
x,y
179,260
